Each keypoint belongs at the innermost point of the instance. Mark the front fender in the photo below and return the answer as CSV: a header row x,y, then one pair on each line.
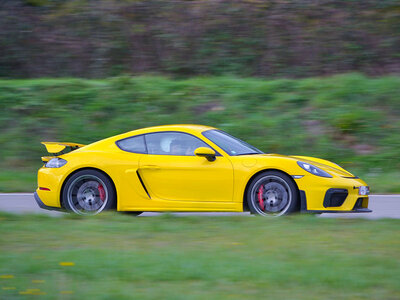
x,y
323,162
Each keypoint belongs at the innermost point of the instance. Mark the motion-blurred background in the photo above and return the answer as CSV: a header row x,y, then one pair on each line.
x,y
307,77
293,77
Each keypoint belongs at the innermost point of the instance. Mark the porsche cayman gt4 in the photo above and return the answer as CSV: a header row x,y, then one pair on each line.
x,y
191,168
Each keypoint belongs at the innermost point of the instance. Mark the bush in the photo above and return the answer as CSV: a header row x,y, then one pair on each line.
x,y
276,38
350,119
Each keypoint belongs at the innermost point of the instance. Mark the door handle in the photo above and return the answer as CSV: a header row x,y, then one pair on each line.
x,y
150,167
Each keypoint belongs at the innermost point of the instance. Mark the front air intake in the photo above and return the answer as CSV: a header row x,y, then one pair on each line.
x,y
335,197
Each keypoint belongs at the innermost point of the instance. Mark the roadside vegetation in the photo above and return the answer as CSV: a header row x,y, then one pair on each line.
x,y
350,119
170,257
274,38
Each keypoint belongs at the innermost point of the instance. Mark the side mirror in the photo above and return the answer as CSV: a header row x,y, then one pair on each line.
x,y
205,152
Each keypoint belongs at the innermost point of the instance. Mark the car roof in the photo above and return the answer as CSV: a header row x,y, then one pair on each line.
x,y
173,127
189,128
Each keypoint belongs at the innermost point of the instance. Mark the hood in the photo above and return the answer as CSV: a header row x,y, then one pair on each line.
x,y
323,164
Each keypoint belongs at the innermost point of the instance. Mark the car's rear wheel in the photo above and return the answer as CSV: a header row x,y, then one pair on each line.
x,y
88,192
272,193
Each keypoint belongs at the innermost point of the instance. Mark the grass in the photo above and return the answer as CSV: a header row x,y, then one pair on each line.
x,y
120,257
383,182
18,181
350,119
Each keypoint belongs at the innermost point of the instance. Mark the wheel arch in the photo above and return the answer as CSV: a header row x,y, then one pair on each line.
x,y
245,205
87,168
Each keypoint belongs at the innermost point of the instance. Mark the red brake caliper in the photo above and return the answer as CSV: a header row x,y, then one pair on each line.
x,y
260,196
101,192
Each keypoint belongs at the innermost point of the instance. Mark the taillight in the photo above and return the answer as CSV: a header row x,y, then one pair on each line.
x,y
55,163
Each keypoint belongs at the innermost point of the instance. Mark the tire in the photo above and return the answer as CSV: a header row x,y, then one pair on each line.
x,y
133,213
279,194
88,192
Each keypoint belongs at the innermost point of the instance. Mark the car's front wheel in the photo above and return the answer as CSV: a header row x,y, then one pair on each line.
x,y
272,193
88,192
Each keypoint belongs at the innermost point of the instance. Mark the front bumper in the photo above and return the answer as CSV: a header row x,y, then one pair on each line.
x,y
44,206
360,205
337,194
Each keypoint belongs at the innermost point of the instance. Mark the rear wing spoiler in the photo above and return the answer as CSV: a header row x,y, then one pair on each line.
x,y
58,148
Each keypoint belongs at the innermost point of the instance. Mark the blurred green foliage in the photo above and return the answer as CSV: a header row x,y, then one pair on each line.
x,y
350,119
233,257
295,38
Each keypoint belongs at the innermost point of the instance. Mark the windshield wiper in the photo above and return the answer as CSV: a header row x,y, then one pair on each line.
x,y
250,153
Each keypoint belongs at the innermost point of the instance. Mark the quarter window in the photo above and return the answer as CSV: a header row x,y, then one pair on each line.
x,y
134,144
173,143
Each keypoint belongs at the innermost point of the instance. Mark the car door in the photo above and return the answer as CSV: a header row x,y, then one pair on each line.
x,y
171,170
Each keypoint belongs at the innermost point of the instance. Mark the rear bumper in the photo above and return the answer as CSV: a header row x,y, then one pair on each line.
x,y
51,180
44,206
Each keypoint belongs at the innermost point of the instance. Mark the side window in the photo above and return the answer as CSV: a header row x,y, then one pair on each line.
x,y
134,144
173,143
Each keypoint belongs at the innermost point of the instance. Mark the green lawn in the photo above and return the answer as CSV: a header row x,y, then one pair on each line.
x,y
350,119
121,257
18,181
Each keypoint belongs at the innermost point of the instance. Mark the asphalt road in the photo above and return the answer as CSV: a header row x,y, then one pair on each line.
x,y
383,206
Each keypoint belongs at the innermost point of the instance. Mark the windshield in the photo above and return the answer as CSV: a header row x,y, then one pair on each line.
x,y
231,145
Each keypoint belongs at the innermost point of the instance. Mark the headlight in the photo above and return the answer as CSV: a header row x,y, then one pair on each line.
x,y
363,190
313,169
55,163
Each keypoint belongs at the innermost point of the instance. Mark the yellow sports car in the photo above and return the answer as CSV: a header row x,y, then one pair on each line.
x,y
191,168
